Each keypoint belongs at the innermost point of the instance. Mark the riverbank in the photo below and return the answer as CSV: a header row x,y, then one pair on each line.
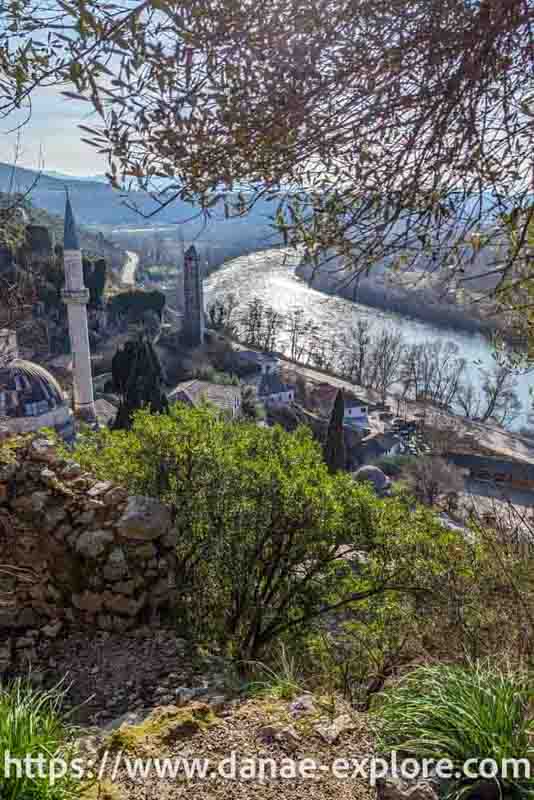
x,y
422,304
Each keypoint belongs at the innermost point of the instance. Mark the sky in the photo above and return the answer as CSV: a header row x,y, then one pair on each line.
x,y
51,139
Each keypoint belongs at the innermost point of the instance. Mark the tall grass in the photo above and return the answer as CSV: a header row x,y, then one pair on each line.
x,y
31,723
459,713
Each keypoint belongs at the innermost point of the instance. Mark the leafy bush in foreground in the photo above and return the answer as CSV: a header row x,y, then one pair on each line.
x,y
268,541
459,713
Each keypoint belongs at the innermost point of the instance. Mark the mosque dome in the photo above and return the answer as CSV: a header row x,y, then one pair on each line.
x,y
374,476
31,398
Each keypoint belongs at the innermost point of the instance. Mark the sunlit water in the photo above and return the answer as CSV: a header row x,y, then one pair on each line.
x,y
270,275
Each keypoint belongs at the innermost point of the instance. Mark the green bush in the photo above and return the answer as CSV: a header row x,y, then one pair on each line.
x,y
459,713
268,541
31,723
393,466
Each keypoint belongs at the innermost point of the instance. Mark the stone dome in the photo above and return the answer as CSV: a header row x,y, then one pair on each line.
x,y
373,475
31,398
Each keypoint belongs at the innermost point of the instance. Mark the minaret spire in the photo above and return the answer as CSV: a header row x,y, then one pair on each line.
x,y
76,297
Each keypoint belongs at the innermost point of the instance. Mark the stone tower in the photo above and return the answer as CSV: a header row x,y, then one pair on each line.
x,y
76,297
193,327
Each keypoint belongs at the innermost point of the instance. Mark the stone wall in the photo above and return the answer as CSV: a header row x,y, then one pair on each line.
x,y
75,551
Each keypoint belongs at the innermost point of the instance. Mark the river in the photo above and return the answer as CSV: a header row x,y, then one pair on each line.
x,y
270,275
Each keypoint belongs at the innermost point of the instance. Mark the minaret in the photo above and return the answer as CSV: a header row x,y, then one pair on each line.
x,y
193,326
76,297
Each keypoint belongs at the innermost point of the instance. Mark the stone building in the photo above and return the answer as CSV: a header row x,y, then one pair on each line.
x,y
193,322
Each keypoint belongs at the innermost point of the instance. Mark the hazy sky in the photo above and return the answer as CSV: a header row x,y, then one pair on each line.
x,y
52,131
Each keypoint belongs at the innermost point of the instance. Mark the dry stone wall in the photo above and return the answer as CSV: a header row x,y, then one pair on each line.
x,y
75,551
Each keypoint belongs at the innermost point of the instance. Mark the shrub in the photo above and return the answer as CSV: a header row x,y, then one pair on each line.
x,y
459,713
31,723
268,541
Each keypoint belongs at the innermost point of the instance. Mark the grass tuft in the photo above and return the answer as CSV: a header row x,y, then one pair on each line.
x,y
32,724
458,713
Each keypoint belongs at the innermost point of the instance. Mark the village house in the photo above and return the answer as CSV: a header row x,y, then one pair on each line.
x,y
272,390
378,445
356,413
196,392
260,363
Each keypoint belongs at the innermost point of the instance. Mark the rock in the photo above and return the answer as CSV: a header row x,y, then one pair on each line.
x,y
105,622
5,433
184,695
52,593
5,655
302,705
48,477
116,566
52,629
71,470
125,587
42,450
120,604
278,733
142,552
23,641
88,601
217,702
53,516
144,519
8,618
331,731
8,471
85,518
99,488
129,718
393,787
115,496
27,618
92,544
32,504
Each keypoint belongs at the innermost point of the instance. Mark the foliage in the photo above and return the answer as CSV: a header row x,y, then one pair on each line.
x,y
94,278
137,379
458,713
133,304
31,724
250,408
178,112
334,452
268,542
430,476
393,466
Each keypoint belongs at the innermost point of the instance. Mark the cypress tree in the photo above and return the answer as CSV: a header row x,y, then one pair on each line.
x,y
334,451
137,379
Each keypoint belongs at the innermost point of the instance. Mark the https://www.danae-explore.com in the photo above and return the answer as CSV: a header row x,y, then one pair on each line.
x,y
236,767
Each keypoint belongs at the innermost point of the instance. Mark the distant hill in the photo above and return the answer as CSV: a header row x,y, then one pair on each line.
x,y
96,203
92,243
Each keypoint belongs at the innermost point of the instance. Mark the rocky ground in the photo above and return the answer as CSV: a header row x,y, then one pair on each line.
x,y
262,730
109,674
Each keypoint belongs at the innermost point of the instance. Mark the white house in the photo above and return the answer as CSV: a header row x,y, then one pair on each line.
x,y
264,363
356,413
271,389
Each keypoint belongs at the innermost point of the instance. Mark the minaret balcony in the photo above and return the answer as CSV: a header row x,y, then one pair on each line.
x,y
75,296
